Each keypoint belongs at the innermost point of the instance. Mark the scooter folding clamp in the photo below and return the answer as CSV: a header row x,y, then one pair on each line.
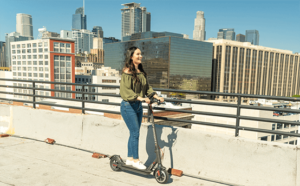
x,y
50,141
97,155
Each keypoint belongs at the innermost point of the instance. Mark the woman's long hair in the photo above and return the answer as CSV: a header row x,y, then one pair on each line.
x,y
129,64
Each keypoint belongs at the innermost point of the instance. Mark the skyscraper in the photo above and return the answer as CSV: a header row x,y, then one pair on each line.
x,y
199,28
2,54
135,19
83,39
226,33
79,19
24,25
97,31
240,38
252,36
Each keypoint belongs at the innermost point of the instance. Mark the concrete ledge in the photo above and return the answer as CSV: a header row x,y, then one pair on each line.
x,y
213,156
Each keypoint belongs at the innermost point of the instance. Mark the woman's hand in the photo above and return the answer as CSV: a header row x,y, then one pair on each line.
x,y
161,99
147,100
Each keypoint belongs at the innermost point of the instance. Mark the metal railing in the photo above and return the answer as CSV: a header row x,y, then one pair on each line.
x,y
237,116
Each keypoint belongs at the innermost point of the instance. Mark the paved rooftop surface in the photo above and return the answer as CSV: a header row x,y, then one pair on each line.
x,y
29,162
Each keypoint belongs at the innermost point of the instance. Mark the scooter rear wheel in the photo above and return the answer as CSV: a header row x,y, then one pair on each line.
x,y
113,164
161,176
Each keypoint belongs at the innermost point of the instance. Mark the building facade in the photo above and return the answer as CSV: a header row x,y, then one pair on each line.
x,y
135,19
79,19
97,31
44,60
2,54
83,39
252,36
240,38
12,37
199,27
250,69
110,40
226,33
48,34
169,61
24,25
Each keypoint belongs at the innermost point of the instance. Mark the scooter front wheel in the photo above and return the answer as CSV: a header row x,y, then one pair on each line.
x,y
113,164
161,176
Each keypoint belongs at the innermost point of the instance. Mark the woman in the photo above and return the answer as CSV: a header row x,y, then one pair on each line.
x,y
134,86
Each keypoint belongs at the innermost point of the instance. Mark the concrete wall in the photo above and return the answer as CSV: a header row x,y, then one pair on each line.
x,y
212,156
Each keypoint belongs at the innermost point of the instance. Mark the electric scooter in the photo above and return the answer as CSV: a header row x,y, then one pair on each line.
x,y
159,171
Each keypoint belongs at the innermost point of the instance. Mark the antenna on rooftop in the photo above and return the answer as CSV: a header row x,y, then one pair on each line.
x,y
83,7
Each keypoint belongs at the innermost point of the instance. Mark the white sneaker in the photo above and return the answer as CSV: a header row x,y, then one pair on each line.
x,y
129,162
138,165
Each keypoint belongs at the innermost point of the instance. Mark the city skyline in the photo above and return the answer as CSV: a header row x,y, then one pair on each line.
x,y
264,19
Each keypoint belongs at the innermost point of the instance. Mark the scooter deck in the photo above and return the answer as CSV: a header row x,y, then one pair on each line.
x,y
132,169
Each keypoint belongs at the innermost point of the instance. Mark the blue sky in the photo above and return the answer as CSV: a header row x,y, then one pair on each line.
x,y
278,21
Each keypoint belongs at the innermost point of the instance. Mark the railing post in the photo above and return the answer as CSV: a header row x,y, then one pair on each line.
x,y
149,113
33,94
237,116
82,107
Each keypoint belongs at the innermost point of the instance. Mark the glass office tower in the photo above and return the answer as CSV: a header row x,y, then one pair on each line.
x,y
252,36
79,19
226,33
171,62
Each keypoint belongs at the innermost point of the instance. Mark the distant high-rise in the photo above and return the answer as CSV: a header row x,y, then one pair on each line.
x,y
83,39
252,36
240,38
98,32
79,19
199,28
226,33
12,37
135,19
2,54
24,25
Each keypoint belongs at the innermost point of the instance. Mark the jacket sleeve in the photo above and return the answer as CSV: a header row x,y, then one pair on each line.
x,y
126,91
149,89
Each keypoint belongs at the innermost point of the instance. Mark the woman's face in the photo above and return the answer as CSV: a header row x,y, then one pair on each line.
x,y
137,57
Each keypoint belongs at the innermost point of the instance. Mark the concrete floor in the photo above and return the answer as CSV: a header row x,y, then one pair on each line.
x,y
27,162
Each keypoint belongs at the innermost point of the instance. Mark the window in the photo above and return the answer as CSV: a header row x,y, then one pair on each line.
x,y
29,74
105,100
34,62
68,64
45,49
41,75
46,62
62,58
13,57
62,76
34,45
28,50
23,62
14,68
29,45
29,62
272,137
18,57
46,75
34,68
40,56
29,68
23,46
56,76
46,69
24,74
34,74
40,50
278,137
29,57
14,51
14,62
45,44
40,44
41,69
46,56
19,62
62,50
62,64
62,44
41,63
33,50
279,126
23,51
13,46
286,126
23,57
24,68
56,44
68,45
18,46
34,56
291,142
56,50
285,136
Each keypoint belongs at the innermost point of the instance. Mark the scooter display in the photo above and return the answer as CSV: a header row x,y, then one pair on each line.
x,y
159,171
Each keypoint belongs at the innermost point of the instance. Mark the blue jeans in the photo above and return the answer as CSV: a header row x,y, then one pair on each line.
x,y
132,113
